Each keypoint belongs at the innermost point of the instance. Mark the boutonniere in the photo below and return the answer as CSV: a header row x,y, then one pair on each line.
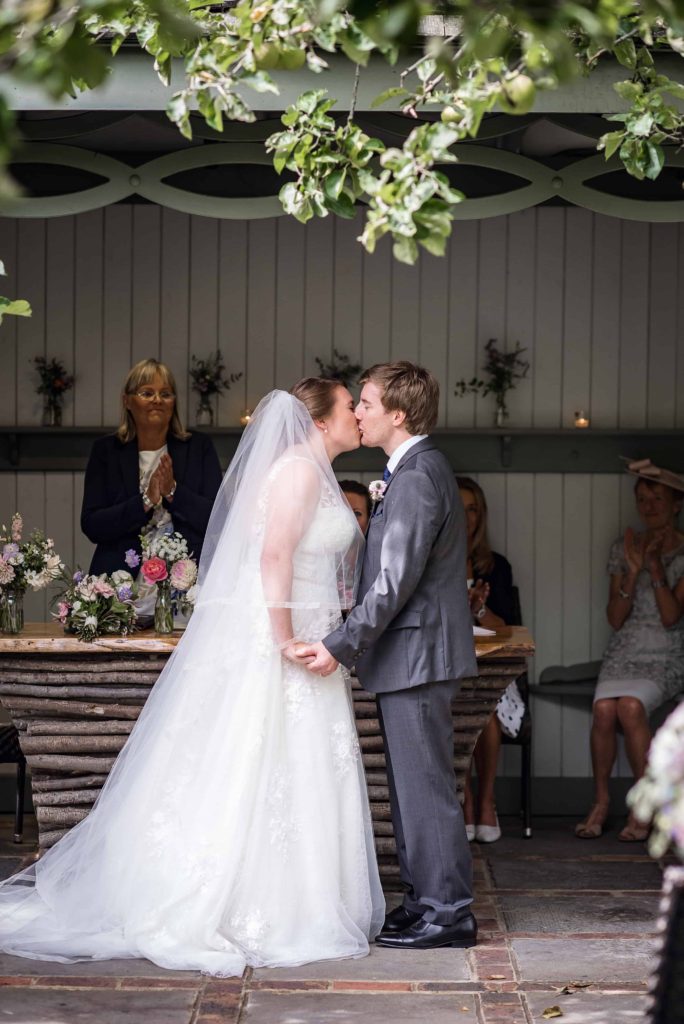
x,y
376,489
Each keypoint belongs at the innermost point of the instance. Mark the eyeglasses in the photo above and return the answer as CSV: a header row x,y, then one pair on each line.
x,y
147,394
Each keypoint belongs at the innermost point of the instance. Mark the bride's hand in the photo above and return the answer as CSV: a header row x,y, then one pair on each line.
x,y
295,652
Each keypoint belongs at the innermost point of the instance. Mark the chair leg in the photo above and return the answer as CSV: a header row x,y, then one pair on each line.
x,y
526,788
19,811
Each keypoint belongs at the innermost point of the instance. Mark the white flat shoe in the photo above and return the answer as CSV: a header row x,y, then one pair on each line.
x,y
470,833
488,833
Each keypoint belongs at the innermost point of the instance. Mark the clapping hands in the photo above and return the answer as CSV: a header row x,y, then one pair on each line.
x,y
161,481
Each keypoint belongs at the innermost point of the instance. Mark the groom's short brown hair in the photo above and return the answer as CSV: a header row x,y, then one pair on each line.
x,y
407,388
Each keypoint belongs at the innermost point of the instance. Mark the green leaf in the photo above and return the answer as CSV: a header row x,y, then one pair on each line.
x,y
629,90
3,272
656,160
435,244
641,125
332,186
389,94
14,307
342,207
611,142
625,52
405,250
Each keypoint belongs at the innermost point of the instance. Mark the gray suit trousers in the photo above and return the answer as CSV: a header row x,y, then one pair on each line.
x,y
434,854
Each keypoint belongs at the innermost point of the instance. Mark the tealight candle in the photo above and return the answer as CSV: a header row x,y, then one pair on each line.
x,y
581,419
245,417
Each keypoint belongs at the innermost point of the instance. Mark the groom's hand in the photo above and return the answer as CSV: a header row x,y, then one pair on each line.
x,y
323,663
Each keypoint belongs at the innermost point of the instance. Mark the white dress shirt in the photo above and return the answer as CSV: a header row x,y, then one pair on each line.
x,y
399,452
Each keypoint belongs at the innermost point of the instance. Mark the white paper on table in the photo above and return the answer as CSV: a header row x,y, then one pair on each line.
x,y
481,631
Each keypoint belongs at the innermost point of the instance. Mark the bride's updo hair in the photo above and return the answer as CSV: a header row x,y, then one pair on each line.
x,y
317,394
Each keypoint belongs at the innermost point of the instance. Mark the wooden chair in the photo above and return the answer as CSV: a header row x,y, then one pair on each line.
x,y
524,737
10,753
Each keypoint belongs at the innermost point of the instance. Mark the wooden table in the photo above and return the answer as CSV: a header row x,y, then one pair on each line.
x,y
75,703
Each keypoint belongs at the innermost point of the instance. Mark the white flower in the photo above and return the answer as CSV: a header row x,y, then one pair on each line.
x,y
121,578
90,620
76,606
192,594
376,489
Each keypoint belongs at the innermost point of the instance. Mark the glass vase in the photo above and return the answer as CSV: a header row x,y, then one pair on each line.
x,y
163,609
501,415
52,414
11,611
205,414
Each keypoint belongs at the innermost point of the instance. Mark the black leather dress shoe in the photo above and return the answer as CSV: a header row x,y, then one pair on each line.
x,y
398,919
426,935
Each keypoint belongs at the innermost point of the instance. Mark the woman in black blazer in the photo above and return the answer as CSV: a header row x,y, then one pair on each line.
x,y
151,474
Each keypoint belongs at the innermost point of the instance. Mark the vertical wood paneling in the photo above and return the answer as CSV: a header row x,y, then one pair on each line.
x,y
347,289
30,330
433,342
146,299
406,311
318,294
548,618
662,349
577,316
261,292
88,317
605,527
116,336
491,318
605,342
59,299
289,312
203,293
520,300
547,365
174,276
232,313
376,322
8,328
83,548
634,301
463,314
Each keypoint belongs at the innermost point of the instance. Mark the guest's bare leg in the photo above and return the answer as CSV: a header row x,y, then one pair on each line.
x,y
634,721
486,762
603,752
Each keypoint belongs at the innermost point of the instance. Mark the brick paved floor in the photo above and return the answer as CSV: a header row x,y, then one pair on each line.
x,y
564,922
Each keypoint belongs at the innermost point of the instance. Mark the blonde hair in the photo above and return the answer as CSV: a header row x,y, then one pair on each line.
x,y
407,388
481,551
317,394
139,375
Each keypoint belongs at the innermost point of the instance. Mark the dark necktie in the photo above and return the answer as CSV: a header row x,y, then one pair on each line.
x,y
386,474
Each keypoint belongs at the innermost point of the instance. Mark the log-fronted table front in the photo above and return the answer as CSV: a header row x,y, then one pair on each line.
x,y
75,704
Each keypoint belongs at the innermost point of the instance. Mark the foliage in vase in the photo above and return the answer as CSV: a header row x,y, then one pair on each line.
x,y
658,797
92,606
503,369
209,378
340,368
32,563
54,380
499,56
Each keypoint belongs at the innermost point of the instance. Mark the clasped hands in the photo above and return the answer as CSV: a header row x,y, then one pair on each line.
x,y
640,555
315,657
161,481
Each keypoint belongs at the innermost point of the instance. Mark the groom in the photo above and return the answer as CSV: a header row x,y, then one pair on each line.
x,y
410,640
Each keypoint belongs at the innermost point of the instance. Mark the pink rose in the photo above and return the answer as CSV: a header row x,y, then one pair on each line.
x,y
62,611
154,570
103,588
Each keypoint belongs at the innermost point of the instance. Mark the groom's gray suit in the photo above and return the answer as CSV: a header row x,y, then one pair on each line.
x,y
410,640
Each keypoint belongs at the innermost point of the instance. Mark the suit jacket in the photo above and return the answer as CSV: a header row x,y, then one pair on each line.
x,y
113,514
412,623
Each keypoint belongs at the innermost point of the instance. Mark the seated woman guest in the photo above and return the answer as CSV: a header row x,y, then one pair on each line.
x,y
359,498
491,601
643,665
150,475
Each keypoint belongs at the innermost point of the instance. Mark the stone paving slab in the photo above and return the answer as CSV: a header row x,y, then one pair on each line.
x,y
369,1008
555,837
19,966
9,866
381,965
95,1006
590,1007
621,913
560,960
547,873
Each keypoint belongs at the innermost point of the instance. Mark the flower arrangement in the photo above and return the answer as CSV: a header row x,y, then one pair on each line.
x,y
167,564
208,379
54,384
32,563
503,370
339,368
376,489
659,795
94,606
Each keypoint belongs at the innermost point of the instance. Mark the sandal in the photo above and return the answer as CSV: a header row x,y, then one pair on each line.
x,y
592,826
634,831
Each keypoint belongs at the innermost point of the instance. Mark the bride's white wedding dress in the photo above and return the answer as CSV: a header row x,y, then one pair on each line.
x,y
234,828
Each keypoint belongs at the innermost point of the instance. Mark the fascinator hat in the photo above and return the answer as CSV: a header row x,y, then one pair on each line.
x,y
645,469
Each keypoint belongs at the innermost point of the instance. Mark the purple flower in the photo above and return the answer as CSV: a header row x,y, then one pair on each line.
x,y
9,551
132,558
125,593
78,576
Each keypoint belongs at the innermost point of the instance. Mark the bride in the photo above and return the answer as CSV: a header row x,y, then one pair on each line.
x,y
234,828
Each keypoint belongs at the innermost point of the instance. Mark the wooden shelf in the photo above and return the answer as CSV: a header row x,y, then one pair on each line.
x,y
514,450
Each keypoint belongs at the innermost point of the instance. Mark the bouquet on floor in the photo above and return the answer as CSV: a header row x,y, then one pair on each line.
x,y
658,796
32,563
93,606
